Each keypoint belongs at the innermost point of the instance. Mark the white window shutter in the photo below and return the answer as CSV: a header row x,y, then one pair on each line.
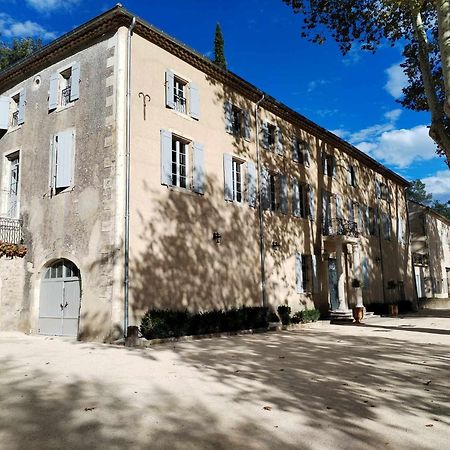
x,y
265,189
279,141
306,154
324,163
199,171
294,149
75,84
194,101
299,273
53,92
333,159
265,134
349,175
283,194
227,112
166,157
251,180
64,159
312,209
4,113
22,103
314,273
365,273
170,80
228,177
339,213
295,199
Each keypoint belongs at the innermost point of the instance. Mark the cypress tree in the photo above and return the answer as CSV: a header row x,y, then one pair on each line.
x,y
219,52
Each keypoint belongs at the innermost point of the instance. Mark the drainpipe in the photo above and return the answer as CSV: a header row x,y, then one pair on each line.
x,y
126,281
260,210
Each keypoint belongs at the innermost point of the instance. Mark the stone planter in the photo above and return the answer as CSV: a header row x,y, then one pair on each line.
x,y
358,314
275,326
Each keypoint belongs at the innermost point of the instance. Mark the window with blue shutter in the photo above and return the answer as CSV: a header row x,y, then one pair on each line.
x,y
63,159
265,189
227,111
365,273
279,140
228,177
75,82
283,194
4,113
339,212
315,274
247,125
296,211
251,180
194,101
299,272
166,157
198,166
170,80
295,149
265,134
53,91
312,210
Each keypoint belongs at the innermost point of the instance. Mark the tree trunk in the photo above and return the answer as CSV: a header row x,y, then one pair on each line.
x,y
438,131
443,14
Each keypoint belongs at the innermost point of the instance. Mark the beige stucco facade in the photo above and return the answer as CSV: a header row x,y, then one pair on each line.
x,y
174,260
430,245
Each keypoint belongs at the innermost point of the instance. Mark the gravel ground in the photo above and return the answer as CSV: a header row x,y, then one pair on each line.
x,y
382,385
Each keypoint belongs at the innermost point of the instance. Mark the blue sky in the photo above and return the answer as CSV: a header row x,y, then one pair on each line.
x,y
353,96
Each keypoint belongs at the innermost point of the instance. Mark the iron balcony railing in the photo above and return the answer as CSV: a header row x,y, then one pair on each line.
x,y
340,227
15,119
65,96
420,259
180,104
11,231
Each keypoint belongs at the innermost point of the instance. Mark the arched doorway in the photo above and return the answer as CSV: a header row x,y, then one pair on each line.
x,y
59,305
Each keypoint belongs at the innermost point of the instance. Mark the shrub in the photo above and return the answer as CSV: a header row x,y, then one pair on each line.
x,y
284,312
272,317
310,315
160,324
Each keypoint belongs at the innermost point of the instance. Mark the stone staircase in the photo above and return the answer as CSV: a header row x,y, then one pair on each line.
x,y
434,303
346,316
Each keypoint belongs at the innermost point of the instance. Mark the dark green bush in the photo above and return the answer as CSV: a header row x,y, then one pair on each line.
x,y
160,324
284,312
310,315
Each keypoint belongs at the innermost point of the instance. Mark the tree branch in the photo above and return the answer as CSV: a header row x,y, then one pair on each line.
x,y
443,14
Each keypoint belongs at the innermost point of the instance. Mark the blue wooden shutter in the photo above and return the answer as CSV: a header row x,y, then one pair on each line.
x,y
367,219
166,157
349,175
312,210
306,154
333,159
53,92
279,141
170,102
315,276
251,187
194,101
377,189
283,194
64,159
228,177
351,211
199,171
265,189
75,86
228,112
296,211
247,125
365,271
4,113
294,149
22,103
265,134
299,273
324,163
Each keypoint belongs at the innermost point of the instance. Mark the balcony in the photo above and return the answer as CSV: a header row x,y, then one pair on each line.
x,y
11,231
345,229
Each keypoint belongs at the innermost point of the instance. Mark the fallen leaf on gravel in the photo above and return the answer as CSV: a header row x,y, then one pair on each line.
x,y
236,371
281,357
281,370
268,408
90,409
429,425
329,407
427,382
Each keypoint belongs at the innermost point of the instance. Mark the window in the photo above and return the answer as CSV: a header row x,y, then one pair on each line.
x,y
382,191
12,110
372,222
237,121
62,154
272,137
300,151
10,186
274,191
328,164
387,227
299,199
181,162
303,269
351,175
64,87
182,96
62,269
237,180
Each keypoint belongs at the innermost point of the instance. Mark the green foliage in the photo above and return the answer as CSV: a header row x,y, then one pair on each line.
x,y
417,193
310,315
219,49
441,208
160,324
284,312
273,317
18,49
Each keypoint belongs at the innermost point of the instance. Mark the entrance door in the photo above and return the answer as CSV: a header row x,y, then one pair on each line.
x,y
333,284
59,307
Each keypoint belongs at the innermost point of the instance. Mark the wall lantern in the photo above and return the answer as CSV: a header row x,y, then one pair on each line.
x,y
217,237
276,245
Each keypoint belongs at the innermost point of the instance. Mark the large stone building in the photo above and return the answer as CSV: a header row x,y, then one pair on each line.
x,y
142,175
430,246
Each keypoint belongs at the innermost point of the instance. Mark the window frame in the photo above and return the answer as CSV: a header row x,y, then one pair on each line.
x,y
237,178
7,182
179,141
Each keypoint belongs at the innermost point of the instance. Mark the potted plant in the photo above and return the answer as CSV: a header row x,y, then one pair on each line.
x,y
358,310
284,311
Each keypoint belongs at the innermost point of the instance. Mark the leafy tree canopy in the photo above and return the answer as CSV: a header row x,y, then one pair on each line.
x,y
417,192
17,49
421,27
219,50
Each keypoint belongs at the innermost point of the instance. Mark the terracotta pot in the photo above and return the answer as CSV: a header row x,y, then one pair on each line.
x,y
393,310
358,314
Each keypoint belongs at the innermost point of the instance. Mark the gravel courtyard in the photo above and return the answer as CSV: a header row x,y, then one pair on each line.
x,y
382,385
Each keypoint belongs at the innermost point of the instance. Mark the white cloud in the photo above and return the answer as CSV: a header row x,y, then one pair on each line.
x,y
439,185
393,115
401,147
314,84
397,80
45,6
11,28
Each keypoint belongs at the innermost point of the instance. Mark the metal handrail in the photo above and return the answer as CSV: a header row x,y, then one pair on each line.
x,y
11,230
340,227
